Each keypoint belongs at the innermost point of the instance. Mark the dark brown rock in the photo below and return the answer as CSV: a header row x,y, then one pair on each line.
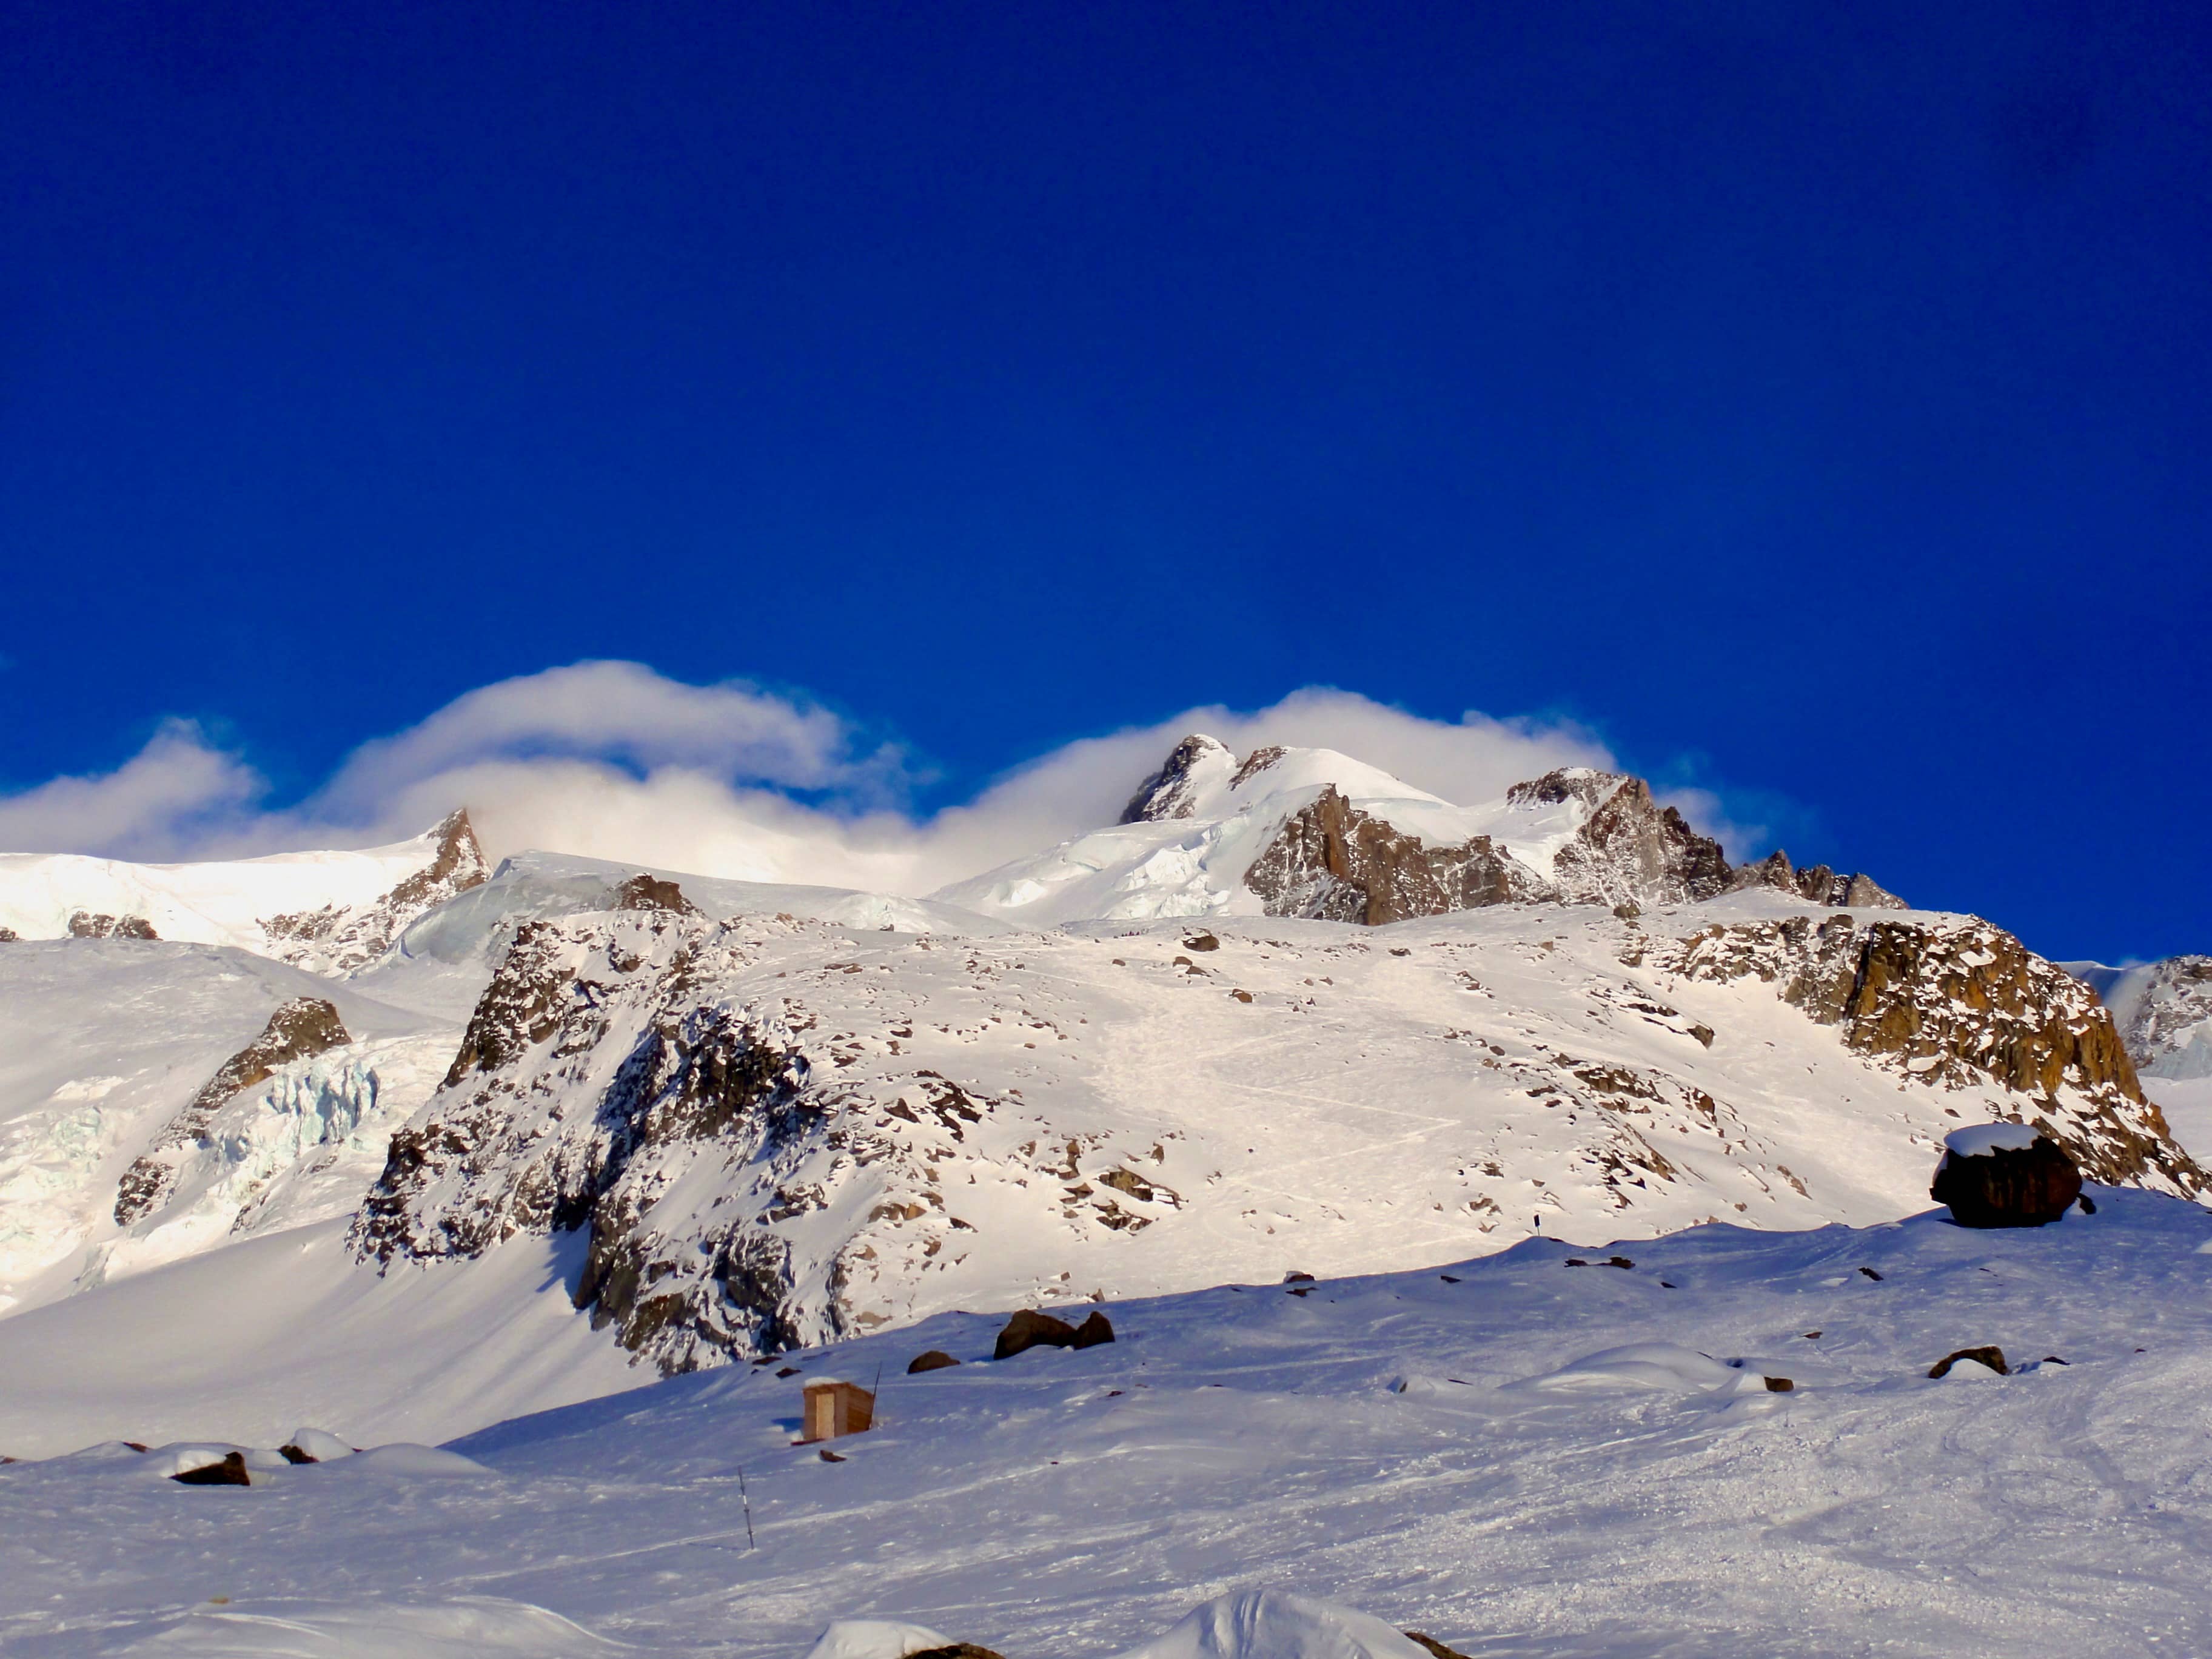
x,y
8,936
643,892
1031,1329
1332,862
935,1360
295,1455
1294,1277
1436,1648
1202,942
1993,1357
230,1472
1094,1331
1779,1385
957,1650
299,1029
2007,1187
1630,846
85,924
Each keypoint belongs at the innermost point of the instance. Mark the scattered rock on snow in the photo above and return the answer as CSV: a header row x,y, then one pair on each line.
x,y
1993,1357
2004,1175
935,1360
956,1650
1435,1647
644,892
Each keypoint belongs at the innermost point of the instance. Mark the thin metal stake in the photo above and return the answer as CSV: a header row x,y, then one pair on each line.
x,y
746,1499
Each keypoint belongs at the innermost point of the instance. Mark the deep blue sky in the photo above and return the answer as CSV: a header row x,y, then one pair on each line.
x,y
1823,394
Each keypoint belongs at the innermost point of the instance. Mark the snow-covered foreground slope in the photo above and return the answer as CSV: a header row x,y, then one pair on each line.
x,y
1464,1451
247,1341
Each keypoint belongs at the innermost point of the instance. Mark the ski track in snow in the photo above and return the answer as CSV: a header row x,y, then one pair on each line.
x,y
1374,1442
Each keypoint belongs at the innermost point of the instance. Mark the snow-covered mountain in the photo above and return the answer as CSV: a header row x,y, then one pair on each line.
x,y
2164,1011
329,912
737,1118
1310,832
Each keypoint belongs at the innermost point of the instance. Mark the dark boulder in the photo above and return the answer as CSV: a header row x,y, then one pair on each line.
x,y
229,1471
935,1360
1093,1331
956,1650
295,1455
1993,1357
2007,1186
1031,1329
1434,1646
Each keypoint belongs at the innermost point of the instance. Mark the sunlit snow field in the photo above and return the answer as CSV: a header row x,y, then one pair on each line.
x,y
1439,1453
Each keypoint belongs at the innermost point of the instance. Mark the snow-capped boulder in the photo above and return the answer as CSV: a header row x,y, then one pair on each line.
x,y
2004,1175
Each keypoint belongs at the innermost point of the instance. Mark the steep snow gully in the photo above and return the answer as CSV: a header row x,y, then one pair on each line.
x,y
386,1149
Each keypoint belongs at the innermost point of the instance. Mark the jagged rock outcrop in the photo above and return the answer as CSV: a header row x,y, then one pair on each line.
x,y
643,892
2167,1018
1961,1004
1817,882
86,923
1630,847
336,939
591,1081
299,1029
1171,792
1332,862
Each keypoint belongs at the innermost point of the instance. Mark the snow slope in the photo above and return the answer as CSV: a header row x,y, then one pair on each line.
x,y
327,912
104,1041
1450,1451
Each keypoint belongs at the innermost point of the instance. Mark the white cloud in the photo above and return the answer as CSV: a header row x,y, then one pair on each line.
x,y
613,761
167,801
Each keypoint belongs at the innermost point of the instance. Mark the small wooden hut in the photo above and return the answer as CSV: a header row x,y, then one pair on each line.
x,y
837,1408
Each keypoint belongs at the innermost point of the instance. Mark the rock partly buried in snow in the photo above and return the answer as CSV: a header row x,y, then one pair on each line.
x,y
2004,1175
1273,1624
299,1029
877,1639
935,1360
1661,1367
227,1469
1989,1358
1436,1649
643,892
1031,1329
86,923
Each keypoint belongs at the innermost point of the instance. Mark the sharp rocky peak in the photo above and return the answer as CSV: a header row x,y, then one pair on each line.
x,y
1172,791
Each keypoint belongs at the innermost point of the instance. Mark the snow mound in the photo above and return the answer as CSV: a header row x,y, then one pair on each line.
x,y
1664,1366
1273,1624
874,1639
411,1461
1982,1139
468,1627
320,1445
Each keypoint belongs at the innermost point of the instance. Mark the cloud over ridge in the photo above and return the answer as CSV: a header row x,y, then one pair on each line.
x,y
611,760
